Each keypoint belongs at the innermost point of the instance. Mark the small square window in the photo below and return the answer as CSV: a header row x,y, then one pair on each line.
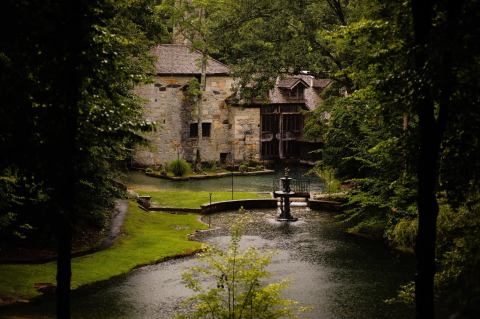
x,y
193,129
206,128
223,158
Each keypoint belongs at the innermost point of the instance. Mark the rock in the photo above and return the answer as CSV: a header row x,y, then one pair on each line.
x,y
131,194
45,288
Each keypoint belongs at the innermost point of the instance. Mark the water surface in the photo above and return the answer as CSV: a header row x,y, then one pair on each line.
x,y
339,275
259,183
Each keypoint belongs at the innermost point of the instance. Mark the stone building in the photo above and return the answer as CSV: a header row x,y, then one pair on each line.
x,y
252,131
225,130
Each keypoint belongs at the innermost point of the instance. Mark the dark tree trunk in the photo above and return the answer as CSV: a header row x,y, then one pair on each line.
x,y
64,272
427,165
73,35
432,125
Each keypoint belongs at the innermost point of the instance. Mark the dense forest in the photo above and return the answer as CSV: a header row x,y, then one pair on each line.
x,y
400,124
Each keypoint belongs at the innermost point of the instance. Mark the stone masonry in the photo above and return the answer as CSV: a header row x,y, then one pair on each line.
x,y
234,129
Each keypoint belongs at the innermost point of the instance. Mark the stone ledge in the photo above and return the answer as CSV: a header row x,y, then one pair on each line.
x,y
173,209
217,175
325,205
236,204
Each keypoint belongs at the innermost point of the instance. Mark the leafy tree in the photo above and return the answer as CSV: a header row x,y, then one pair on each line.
x,y
231,284
193,22
403,128
71,68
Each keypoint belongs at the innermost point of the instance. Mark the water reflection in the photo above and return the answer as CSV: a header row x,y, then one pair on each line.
x,y
260,183
341,276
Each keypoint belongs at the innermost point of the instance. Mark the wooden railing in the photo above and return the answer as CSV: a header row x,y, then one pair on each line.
x,y
300,186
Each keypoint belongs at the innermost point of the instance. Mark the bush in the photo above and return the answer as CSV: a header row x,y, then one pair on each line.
x,y
241,289
211,165
404,234
243,168
332,185
179,167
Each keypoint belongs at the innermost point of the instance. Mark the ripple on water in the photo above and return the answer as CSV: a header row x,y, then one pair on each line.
x,y
340,276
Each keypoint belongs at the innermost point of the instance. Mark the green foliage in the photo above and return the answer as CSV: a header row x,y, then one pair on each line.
x,y
179,167
239,289
210,166
148,238
96,114
458,251
243,167
369,119
22,204
372,227
192,93
327,174
457,280
403,234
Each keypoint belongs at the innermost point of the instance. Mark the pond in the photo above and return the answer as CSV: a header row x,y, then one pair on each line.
x,y
258,183
339,275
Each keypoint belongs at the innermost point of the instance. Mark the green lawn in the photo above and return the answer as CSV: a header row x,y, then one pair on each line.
x,y
190,199
147,238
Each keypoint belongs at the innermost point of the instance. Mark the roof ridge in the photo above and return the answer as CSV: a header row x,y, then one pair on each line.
x,y
172,44
183,58
193,49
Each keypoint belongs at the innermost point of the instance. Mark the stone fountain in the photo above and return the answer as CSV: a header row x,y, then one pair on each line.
x,y
285,194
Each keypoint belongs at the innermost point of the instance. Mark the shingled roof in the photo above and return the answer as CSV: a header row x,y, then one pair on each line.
x,y
290,82
181,59
312,85
321,83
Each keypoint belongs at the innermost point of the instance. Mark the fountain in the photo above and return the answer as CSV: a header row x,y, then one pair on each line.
x,y
285,194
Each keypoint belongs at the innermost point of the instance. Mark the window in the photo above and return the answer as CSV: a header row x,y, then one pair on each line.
x,y
297,92
193,129
206,128
223,158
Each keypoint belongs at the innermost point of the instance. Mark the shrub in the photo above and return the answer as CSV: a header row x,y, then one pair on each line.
x,y
241,290
404,234
210,165
243,167
179,167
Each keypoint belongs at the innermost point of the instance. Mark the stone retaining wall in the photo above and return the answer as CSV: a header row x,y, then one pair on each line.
x,y
236,204
325,205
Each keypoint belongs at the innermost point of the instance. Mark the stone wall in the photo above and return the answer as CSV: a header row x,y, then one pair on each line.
x,y
246,133
232,128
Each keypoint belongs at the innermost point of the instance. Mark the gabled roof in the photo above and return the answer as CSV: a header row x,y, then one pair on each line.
x,y
181,59
321,83
291,82
311,97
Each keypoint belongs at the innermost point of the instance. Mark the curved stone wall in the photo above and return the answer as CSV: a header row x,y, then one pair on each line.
x,y
236,204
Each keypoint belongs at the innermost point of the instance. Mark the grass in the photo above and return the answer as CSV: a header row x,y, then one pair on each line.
x,y
190,199
372,228
147,238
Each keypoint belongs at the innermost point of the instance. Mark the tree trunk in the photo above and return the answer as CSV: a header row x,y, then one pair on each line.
x,y
427,166
67,147
203,85
64,267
